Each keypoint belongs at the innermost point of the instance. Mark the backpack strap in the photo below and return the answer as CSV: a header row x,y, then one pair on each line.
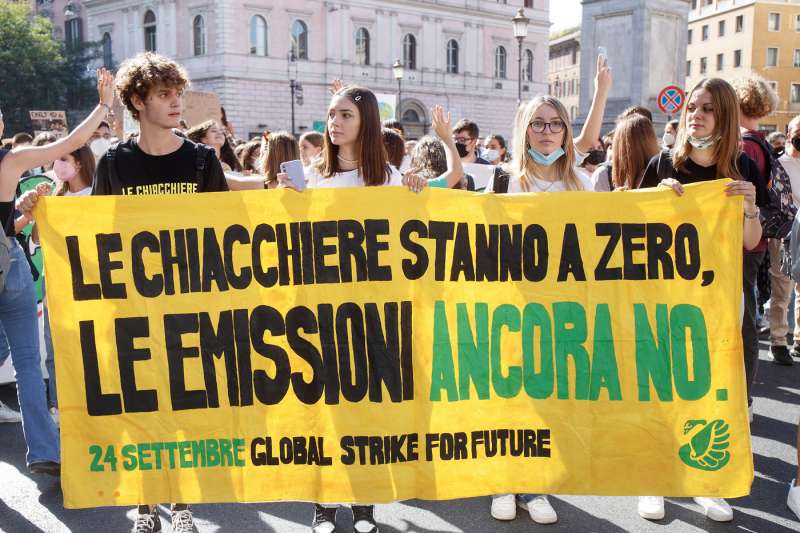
x,y
609,177
664,167
200,164
768,155
113,177
500,181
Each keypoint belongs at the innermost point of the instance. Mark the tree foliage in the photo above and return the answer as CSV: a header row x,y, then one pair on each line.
x,y
38,72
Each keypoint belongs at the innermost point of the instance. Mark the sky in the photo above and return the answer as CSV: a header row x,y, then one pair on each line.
x,y
564,13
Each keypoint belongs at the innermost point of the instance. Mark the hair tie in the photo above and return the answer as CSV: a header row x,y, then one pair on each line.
x,y
358,98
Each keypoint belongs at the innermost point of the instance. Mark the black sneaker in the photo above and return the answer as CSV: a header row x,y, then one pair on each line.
x,y
46,467
363,519
795,351
780,355
147,521
324,519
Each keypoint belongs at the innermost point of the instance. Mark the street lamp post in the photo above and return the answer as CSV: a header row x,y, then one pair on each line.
x,y
398,71
520,25
291,73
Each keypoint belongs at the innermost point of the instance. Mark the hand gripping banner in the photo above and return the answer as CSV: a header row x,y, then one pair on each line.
x,y
371,345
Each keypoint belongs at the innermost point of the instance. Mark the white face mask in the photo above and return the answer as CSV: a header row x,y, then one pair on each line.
x,y
99,147
490,155
668,139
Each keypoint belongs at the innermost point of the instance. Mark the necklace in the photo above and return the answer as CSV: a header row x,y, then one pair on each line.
x,y
347,160
543,189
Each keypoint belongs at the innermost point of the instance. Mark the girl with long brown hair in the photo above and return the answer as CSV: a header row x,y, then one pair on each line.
x,y
635,144
707,147
279,148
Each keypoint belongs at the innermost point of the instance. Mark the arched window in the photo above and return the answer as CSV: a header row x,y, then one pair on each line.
x,y
362,46
410,52
452,56
411,116
300,39
500,57
528,73
73,31
150,31
258,36
199,31
108,55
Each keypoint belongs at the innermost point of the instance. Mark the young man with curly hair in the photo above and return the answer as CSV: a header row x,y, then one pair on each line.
x,y
157,162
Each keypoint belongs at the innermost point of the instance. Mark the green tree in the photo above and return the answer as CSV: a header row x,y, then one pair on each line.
x,y
31,65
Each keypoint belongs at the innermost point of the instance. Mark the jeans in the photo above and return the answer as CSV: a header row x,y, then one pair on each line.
x,y
780,300
49,360
751,263
5,351
18,318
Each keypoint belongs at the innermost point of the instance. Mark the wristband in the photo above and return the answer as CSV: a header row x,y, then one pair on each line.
x,y
106,106
753,215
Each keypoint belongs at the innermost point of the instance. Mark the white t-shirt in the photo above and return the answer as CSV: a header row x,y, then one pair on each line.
x,y
515,186
351,178
83,192
792,167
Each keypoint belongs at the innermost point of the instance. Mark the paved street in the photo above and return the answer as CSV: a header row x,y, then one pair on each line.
x,y
31,503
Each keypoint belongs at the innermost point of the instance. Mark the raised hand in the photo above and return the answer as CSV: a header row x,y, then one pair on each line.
x,y
105,87
602,80
443,126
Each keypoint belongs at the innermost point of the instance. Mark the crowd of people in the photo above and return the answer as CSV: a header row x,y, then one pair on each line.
x,y
717,136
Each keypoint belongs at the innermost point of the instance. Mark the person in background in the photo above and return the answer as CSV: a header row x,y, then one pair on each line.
x,y
756,101
279,148
310,149
395,125
21,139
636,144
395,147
435,159
101,140
211,134
495,149
595,158
670,131
777,140
465,135
249,157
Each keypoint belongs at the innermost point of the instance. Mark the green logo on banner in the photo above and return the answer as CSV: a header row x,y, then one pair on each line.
x,y
707,445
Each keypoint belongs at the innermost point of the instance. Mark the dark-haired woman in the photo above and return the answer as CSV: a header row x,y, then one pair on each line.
x,y
211,134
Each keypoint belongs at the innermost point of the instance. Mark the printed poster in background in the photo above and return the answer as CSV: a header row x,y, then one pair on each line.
x,y
387,104
436,345
49,121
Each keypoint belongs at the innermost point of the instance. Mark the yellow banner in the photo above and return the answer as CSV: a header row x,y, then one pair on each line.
x,y
374,345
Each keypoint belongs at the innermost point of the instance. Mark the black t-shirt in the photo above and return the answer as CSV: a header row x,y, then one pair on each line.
x,y
694,173
6,208
177,173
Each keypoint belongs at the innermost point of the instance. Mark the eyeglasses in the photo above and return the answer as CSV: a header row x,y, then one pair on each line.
x,y
463,140
556,126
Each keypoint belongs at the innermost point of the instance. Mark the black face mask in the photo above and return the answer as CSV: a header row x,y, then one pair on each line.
x,y
796,143
595,157
462,149
779,151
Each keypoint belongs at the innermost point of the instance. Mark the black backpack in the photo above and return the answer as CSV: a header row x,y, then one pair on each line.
x,y
779,213
203,153
500,181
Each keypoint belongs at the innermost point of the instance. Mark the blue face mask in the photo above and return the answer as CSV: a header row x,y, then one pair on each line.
x,y
546,160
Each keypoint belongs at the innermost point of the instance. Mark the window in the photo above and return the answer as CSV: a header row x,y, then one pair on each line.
x,y
694,5
528,3
300,39
737,58
258,36
690,37
795,93
410,52
796,62
362,46
720,61
772,57
773,85
452,56
774,22
739,23
703,65
199,32
150,31
500,57
108,56
528,72
704,33
797,23
73,32
721,28
688,68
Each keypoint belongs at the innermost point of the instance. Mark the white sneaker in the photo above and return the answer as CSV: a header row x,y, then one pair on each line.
x,y
54,415
717,509
793,500
503,507
540,509
9,415
651,507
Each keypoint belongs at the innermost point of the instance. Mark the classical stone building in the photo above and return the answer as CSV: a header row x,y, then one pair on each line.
x,y
564,76
458,53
